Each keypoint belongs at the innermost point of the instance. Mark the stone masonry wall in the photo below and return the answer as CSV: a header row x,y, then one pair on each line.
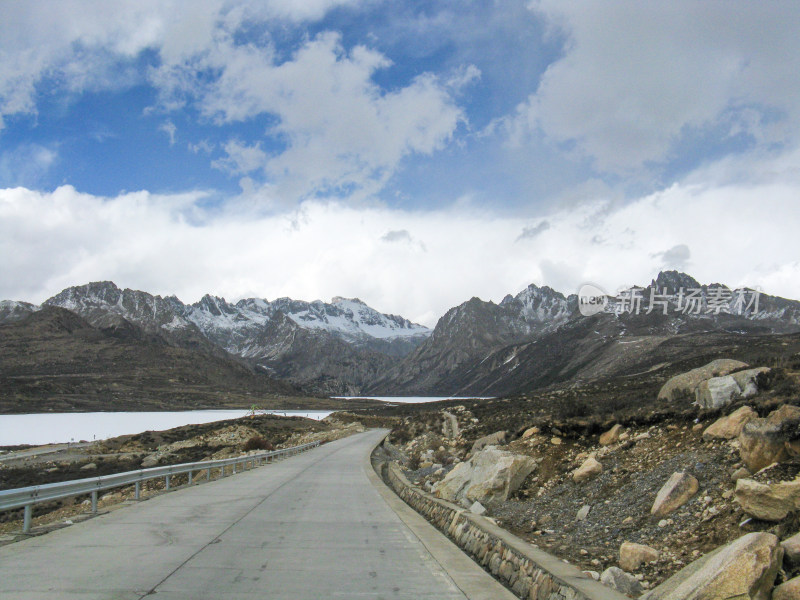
x,y
529,572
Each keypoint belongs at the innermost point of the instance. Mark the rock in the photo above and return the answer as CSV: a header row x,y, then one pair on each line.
x,y
150,460
675,493
497,438
631,555
556,441
623,582
593,574
492,474
529,432
745,568
791,552
611,436
740,473
717,392
765,441
583,513
89,467
685,384
769,502
787,591
477,508
721,391
591,467
728,428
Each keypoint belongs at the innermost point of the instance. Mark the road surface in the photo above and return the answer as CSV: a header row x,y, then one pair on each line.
x,y
311,526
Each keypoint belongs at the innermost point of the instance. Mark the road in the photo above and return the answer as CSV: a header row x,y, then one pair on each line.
x,y
311,526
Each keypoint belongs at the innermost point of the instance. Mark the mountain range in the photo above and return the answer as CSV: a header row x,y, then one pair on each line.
x,y
536,338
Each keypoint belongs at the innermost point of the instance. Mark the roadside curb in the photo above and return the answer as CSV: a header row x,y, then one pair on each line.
x,y
471,579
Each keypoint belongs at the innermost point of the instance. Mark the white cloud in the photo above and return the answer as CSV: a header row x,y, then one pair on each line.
x,y
341,131
170,129
26,164
637,77
84,44
241,158
167,244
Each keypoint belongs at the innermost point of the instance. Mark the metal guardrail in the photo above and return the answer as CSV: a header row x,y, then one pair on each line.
x,y
27,497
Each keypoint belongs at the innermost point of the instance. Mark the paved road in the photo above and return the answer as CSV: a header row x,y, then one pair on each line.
x,y
42,450
312,526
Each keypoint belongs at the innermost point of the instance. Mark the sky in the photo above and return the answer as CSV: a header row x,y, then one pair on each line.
x,y
411,154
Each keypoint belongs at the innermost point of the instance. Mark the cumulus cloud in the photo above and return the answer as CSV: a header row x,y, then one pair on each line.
x,y
636,79
53,240
339,128
334,129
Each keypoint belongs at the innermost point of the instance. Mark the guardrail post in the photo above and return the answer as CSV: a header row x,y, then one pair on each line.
x,y
26,519
190,478
94,502
137,491
166,482
208,474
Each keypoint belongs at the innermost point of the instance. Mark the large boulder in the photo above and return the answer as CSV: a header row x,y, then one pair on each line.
x,y
765,441
717,392
728,428
744,569
675,493
591,467
491,474
768,501
455,482
684,385
791,552
611,436
632,556
787,591
493,439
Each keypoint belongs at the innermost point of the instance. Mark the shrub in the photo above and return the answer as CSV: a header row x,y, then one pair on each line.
x,y
257,442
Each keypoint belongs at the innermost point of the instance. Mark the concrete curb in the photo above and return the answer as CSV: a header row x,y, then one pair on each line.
x,y
471,579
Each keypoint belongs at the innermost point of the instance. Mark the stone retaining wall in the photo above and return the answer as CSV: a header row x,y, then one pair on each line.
x,y
529,572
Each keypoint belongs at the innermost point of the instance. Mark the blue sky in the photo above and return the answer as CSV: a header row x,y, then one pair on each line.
x,y
271,148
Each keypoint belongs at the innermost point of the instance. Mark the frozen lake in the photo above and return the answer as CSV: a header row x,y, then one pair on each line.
x,y
52,428
414,399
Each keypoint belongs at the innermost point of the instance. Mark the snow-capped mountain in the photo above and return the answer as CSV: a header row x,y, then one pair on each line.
x,y
344,347
236,326
348,342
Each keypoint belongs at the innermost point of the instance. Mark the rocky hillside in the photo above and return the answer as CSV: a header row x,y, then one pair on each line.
x,y
54,359
640,490
540,338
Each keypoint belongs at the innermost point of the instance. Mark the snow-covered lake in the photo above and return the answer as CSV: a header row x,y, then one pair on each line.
x,y
52,428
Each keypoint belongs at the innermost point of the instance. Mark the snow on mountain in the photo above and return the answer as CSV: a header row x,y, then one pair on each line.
x,y
11,310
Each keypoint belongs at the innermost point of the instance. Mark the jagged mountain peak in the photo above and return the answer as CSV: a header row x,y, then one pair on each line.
x,y
674,280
